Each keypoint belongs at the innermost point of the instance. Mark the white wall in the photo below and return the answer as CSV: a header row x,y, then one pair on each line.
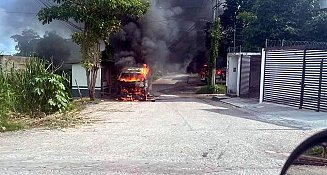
x,y
78,74
232,73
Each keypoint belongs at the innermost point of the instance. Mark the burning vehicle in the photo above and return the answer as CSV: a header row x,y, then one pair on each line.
x,y
204,73
134,84
220,74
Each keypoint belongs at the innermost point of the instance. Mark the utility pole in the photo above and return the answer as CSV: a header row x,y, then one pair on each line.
x,y
234,41
215,13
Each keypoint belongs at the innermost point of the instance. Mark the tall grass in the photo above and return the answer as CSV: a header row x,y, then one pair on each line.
x,y
31,91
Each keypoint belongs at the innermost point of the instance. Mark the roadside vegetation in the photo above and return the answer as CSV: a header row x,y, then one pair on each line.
x,y
315,151
34,96
100,19
212,89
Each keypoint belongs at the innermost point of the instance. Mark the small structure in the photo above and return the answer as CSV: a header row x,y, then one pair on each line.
x,y
243,74
79,82
105,82
18,62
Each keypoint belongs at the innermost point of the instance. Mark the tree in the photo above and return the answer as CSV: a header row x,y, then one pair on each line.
x,y
100,18
26,42
258,20
215,37
279,19
231,21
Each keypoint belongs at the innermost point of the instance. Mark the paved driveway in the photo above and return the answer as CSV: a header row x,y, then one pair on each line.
x,y
175,135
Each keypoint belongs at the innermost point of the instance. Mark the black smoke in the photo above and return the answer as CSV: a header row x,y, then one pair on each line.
x,y
169,37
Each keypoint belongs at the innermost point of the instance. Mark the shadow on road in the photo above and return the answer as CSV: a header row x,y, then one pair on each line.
x,y
183,89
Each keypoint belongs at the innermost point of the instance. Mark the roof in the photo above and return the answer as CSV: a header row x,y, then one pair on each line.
x,y
245,53
132,70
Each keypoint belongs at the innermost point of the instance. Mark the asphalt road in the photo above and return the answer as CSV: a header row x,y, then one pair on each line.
x,y
180,133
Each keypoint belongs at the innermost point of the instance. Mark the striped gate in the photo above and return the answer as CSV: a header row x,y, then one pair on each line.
x,y
245,76
296,78
323,97
283,76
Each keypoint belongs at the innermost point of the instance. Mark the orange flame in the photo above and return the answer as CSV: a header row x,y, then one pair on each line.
x,y
145,70
133,79
132,75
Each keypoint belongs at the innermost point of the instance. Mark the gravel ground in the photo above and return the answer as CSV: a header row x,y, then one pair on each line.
x,y
174,135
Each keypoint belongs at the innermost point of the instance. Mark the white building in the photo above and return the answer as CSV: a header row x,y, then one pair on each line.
x,y
79,82
243,74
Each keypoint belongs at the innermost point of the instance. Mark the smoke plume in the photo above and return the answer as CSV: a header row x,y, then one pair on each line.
x,y
167,37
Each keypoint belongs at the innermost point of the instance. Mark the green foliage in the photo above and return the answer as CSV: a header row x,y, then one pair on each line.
x,y
34,89
215,38
6,95
50,93
315,151
209,89
256,21
246,18
100,19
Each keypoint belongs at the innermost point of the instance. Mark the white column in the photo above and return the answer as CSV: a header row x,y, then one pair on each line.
x,y
239,63
262,78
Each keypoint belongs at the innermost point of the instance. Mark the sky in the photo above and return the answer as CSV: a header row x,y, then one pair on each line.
x,y
17,15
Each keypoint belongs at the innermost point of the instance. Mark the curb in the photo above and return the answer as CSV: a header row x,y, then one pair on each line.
x,y
219,98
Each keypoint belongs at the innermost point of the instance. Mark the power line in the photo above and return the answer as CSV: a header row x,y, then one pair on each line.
x,y
28,13
48,4
191,28
34,13
38,3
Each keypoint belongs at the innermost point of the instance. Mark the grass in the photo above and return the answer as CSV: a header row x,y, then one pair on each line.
x,y
69,118
10,125
209,89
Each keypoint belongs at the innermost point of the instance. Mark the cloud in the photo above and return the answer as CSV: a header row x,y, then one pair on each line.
x,y
17,15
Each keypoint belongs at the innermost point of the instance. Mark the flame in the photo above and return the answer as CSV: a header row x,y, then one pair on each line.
x,y
134,92
134,79
144,73
145,70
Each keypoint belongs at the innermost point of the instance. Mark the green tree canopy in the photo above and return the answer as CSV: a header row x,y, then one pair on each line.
x,y
99,18
258,20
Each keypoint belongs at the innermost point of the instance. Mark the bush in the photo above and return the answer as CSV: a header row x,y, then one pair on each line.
x,y
5,95
209,89
32,91
6,105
